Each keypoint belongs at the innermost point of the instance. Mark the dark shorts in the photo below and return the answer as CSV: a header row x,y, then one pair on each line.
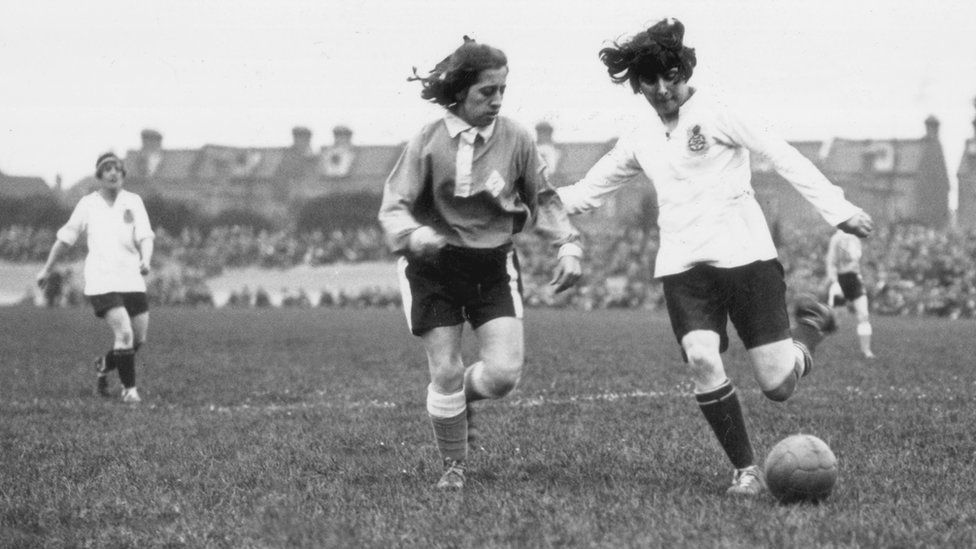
x,y
458,285
752,296
851,284
135,303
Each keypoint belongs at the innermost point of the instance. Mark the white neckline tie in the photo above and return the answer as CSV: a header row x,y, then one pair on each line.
x,y
465,157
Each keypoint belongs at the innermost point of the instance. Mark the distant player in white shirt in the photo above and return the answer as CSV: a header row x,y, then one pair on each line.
x,y
716,258
844,278
464,185
120,247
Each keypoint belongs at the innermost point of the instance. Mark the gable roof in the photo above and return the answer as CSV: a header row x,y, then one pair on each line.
x,y
173,164
578,158
371,161
967,165
848,156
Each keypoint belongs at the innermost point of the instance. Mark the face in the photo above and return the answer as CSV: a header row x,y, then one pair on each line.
x,y
666,92
112,176
482,102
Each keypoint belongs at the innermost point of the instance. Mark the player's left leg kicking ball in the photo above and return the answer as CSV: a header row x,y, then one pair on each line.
x,y
480,287
700,301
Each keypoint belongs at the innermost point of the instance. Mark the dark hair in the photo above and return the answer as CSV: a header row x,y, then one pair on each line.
x,y
104,159
458,72
650,53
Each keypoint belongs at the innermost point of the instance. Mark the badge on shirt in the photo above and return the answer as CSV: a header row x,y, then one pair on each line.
x,y
495,183
696,141
128,217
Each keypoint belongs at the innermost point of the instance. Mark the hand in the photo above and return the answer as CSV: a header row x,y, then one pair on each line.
x,y
568,272
425,241
860,224
143,267
42,277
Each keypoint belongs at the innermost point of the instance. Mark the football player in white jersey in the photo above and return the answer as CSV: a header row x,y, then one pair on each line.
x,y
716,259
462,187
843,261
120,247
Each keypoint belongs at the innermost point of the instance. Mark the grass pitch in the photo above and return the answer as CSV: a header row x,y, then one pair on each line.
x,y
307,428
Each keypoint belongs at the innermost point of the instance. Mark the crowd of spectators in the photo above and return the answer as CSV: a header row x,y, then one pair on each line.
x,y
908,269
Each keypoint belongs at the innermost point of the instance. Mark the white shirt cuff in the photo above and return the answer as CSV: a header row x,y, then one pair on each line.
x,y
570,249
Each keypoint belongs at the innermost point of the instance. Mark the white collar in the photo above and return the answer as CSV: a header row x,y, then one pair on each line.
x,y
455,125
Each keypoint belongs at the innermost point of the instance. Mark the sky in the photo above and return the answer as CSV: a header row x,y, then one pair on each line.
x,y
81,78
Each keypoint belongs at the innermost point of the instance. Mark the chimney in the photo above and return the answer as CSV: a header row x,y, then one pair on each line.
x,y
152,141
342,136
931,127
301,139
543,132
974,120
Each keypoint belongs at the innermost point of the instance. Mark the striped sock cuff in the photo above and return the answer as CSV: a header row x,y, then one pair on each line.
x,y
718,394
445,406
804,353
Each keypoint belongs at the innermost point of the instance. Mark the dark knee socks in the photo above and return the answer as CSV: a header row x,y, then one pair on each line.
x,y
724,413
123,360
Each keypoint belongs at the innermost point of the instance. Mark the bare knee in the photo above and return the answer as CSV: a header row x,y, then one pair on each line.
x,y
783,391
704,359
123,339
446,373
502,377
777,367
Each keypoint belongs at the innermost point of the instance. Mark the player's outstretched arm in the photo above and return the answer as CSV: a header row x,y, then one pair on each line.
x,y
57,250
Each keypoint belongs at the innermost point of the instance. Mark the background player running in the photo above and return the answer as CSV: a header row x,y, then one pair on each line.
x,y
120,247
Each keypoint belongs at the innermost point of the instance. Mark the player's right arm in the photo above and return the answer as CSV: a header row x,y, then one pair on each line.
x,y
57,251
617,168
66,238
402,189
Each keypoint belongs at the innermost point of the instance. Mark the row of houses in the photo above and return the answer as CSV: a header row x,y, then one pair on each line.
x,y
896,180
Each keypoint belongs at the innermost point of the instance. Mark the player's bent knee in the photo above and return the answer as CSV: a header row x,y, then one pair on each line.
x,y
702,359
124,340
783,391
507,382
500,382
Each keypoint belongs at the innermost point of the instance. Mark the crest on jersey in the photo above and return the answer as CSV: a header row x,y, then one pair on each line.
x,y
127,217
696,141
495,183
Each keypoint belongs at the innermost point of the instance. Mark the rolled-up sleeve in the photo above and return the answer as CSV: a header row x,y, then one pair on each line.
x,y
76,224
143,228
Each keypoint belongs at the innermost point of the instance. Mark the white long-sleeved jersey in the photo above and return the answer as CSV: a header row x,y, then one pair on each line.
x,y
707,211
113,235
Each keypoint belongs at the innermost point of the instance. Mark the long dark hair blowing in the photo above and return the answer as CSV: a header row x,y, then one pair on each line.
x,y
650,53
459,71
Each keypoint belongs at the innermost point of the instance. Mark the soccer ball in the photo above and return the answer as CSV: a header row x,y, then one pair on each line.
x,y
800,468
